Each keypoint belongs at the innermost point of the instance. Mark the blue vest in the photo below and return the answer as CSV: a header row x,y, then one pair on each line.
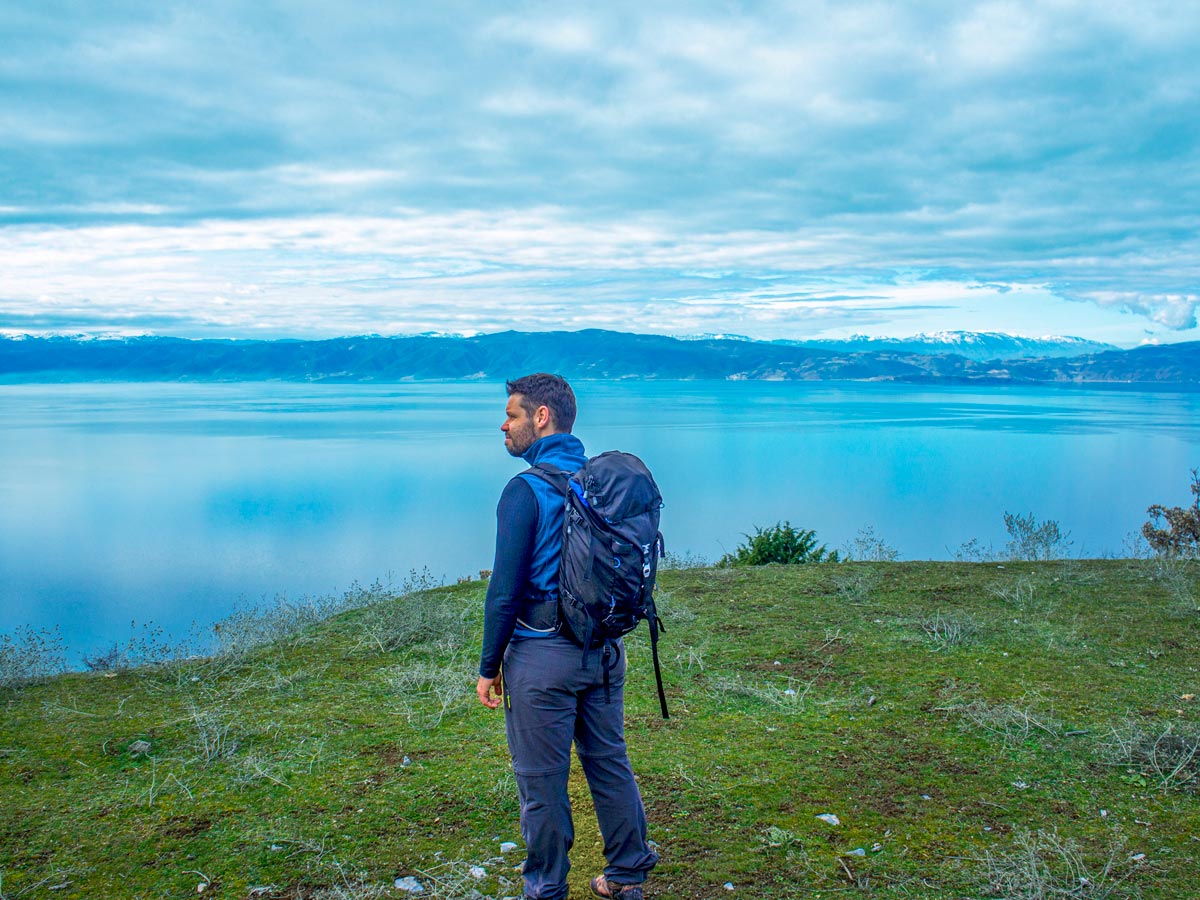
x,y
566,452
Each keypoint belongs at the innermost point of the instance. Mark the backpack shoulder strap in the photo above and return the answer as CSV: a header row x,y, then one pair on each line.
x,y
551,474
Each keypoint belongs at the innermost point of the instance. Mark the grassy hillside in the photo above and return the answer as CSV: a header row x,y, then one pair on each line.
x,y
1018,730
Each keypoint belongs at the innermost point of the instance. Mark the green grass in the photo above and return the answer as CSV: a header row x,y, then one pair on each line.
x,y
1015,730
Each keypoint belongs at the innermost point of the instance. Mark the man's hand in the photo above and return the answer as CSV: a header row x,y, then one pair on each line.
x,y
490,691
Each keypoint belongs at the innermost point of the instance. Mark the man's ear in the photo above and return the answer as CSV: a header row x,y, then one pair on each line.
x,y
541,418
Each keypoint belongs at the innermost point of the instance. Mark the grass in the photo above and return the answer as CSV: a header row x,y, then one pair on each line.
x,y
1022,731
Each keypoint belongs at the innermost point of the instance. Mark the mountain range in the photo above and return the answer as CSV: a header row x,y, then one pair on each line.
x,y
977,345
594,354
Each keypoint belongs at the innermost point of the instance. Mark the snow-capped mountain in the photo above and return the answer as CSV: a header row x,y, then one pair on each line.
x,y
975,345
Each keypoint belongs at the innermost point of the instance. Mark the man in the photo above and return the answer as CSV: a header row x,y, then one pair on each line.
x,y
552,693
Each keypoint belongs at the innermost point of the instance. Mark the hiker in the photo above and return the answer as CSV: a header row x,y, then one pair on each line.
x,y
552,692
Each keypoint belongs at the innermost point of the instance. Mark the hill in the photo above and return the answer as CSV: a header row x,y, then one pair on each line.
x,y
1022,730
578,354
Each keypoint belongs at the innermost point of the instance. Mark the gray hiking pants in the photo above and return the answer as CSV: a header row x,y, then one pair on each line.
x,y
550,700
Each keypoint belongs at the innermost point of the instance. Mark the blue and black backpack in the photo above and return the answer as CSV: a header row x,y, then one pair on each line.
x,y
611,546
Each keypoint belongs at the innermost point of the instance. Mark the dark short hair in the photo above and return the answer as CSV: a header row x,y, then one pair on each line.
x,y
550,391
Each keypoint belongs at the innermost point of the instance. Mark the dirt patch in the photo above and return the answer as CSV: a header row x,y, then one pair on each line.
x,y
888,807
805,667
1064,808
939,760
186,826
390,754
372,781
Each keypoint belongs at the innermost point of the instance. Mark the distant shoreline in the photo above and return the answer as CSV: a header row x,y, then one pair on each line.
x,y
582,355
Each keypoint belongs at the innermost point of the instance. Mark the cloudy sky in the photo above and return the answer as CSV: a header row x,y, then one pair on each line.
x,y
783,170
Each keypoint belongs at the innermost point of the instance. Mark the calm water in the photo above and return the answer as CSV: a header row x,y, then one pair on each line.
x,y
172,502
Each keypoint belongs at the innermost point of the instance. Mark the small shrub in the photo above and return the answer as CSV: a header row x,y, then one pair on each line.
x,y
150,648
779,837
214,736
267,622
869,547
781,544
1032,540
1172,573
974,551
416,618
1181,537
1012,723
1021,593
425,691
28,656
1166,754
786,695
685,560
1042,866
949,632
855,584
673,609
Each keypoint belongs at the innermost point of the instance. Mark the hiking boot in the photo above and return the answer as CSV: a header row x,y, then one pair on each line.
x,y
610,890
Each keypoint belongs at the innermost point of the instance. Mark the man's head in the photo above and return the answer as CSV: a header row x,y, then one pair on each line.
x,y
538,405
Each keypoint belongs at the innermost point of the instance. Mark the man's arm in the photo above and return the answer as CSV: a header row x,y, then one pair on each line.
x,y
516,527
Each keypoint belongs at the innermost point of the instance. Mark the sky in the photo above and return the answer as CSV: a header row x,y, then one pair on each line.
x,y
775,170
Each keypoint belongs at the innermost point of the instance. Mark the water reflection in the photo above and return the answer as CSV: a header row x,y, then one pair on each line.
x,y
168,502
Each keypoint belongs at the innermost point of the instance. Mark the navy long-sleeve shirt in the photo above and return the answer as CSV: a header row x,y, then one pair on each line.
x,y
516,525
528,542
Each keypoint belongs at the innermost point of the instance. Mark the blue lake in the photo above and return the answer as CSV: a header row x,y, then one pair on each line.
x,y
171,503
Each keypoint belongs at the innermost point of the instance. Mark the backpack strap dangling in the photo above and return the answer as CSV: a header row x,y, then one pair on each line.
x,y
655,625
609,666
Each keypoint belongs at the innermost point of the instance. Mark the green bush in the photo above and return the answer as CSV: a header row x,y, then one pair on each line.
x,y
781,544
1181,537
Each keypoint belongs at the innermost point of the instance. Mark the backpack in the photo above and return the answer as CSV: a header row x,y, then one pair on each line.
x,y
610,551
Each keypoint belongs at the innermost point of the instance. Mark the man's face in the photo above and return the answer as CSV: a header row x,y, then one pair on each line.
x,y
518,427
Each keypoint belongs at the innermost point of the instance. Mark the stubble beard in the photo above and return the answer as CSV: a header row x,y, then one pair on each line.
x,y
519,440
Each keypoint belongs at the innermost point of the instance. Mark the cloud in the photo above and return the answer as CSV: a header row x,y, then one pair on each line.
x,y
539,153
1174,311
532,269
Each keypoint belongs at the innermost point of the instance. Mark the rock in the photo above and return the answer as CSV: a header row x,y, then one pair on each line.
x,y
410,884
508,847
789,693
857,851
478,872
139,747
830,818
728,885
406,761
